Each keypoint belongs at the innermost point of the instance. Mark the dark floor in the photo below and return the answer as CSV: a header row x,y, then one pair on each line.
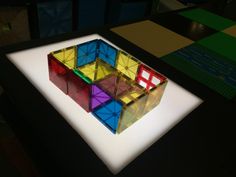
x,y
14,161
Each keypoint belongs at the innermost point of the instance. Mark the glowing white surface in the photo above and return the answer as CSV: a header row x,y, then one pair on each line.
x,y
116,151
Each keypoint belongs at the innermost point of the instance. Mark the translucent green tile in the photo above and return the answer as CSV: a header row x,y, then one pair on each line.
x,y
86,79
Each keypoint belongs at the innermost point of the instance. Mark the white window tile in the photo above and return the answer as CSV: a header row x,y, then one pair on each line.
x,y
155,80
145,74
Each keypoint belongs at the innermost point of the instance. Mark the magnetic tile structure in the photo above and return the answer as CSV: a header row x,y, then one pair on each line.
x,y
114,86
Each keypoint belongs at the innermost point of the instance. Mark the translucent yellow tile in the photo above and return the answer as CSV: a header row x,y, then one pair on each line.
x,y
126,100
134,103
89,70
96,70
67,56
127,64
154,97
103,70
131,113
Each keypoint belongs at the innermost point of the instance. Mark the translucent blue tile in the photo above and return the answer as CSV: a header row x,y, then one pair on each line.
x,y
107,53
87,52
109,114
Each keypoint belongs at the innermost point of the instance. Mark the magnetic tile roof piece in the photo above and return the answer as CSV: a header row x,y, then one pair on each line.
x,y
184,26
109,114
231,31
66,56
87,52
148,78
207,67
207,18
107,53
221,43
152,37
127,64
96,70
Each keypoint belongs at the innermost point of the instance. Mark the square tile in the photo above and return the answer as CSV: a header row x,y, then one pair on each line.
x,y
152,80
109,114
115,84
58,73
107,53
79,90
66,56
98,97
96,70
86,52
127,64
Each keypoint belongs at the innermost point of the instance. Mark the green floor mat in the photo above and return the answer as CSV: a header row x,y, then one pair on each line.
x,y
207,18
221,43
208,68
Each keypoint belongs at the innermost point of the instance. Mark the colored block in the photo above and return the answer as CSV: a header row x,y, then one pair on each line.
x,y
98,97
207,18
127,64
107,53
115,84
148,78
231,31
66,56
79,90
87,52
109,114
157,40
58,73
207,67
222,44
96,70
